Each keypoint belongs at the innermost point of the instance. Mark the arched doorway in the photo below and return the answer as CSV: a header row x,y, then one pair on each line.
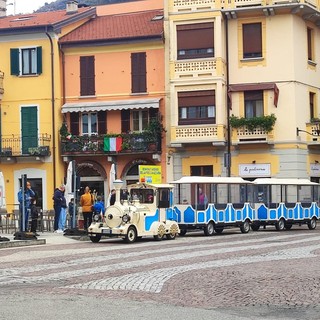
x,y
94,176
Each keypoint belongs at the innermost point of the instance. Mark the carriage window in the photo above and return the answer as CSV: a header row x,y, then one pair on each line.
x,y
164,198
143,195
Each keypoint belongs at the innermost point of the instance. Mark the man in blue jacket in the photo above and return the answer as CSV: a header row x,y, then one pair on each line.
x,y
28,195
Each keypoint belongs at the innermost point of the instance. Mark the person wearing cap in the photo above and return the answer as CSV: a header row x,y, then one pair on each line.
x,y
58,201
28,195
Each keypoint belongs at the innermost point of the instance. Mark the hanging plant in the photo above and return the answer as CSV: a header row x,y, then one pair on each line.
x,y
265,122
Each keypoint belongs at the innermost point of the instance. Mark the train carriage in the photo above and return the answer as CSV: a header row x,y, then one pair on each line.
x,y
285,202
213,204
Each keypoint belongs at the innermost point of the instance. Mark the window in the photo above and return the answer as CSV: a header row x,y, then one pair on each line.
x,y
87,76
310,44
312,106
92,123
203,171
195,41
140,120
137,120
253,103
26,61
89,123
197,107
138,73
252,40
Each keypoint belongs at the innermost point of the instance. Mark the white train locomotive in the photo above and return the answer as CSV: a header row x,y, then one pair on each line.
x,y
147,212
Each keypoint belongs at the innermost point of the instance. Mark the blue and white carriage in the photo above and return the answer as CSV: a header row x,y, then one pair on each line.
x,y
284,202
214,203
146,212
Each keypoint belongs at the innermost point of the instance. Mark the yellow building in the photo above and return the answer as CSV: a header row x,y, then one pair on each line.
x,y
31,99
244,88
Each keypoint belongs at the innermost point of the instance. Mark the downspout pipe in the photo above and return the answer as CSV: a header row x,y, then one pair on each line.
x,y
228,104
53,113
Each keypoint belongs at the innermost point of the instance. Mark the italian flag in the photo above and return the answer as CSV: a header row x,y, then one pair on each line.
x,y
112,144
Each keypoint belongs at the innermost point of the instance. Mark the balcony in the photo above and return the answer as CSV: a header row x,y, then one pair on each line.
x,y
97,145
184,6
312,131
196,68
244,135
12,146
214,134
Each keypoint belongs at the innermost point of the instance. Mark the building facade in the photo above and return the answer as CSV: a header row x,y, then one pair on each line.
x,y
244,95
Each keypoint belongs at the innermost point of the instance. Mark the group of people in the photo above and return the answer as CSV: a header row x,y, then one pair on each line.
x,y
88,202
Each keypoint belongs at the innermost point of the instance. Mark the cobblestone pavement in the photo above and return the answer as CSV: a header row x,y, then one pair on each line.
x,y
264,274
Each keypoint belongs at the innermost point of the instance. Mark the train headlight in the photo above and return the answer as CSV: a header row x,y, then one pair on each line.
x,y
126,218
97,217
110,216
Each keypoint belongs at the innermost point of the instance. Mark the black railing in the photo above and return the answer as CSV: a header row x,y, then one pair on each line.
x,y
110,144
17,145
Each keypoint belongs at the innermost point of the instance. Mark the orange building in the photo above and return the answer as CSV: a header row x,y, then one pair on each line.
x,y
114,94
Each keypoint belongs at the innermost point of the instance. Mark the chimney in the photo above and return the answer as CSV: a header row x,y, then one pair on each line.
x,y
3,6
72,6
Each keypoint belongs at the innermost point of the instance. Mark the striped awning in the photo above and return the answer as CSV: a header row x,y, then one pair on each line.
x,y
110,105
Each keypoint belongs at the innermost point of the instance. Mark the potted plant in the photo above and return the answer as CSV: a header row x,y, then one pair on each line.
x,y
264,122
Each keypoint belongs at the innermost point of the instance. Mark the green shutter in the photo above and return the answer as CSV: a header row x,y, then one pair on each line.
x,y
14,61
29,128
39,60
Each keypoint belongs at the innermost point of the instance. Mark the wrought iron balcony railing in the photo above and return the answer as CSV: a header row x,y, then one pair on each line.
x,y
110,144
16,145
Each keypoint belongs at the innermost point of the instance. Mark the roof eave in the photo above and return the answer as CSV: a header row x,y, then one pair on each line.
x,y
106,42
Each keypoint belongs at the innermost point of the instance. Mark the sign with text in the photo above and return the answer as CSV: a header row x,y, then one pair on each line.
x,y
255,170
314,169
150,174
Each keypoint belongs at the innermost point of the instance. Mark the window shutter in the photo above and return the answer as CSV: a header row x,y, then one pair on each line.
x,y
102,122
74,123
195,36
39,60
87,76
196,98
125,121
138,72
252,40
29,128
14,61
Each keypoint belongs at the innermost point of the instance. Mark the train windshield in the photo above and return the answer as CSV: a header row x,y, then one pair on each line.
x,y
143,195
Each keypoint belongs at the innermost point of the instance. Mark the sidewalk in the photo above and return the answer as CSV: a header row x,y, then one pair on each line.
x,y
49,238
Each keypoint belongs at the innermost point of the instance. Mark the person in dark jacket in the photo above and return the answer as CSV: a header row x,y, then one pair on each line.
x,y
34,216
58,201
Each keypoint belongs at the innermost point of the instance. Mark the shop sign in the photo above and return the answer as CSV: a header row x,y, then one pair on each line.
x,y
315,170
255,170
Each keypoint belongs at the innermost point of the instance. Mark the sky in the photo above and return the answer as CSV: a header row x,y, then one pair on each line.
x,y
24,6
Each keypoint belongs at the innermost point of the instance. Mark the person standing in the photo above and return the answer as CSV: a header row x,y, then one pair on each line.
x,y
98,207
70,212
58,197
112,197
86,202
34,216
26,198
63,215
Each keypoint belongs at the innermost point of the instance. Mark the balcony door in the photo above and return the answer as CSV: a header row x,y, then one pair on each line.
x,y
29,128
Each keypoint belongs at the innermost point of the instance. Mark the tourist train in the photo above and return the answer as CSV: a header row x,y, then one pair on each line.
x,y
210,204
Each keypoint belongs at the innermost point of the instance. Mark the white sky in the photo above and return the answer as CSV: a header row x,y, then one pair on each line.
x,y
24,6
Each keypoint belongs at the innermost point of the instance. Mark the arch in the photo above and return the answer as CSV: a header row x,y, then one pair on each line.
x,y
95,166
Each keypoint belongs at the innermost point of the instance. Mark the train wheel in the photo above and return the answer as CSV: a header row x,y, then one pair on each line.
x,y
95,239
161,232
170,236
218,229
245,227
255,226
288,226
131,236
183,232
280,225
312,224
209,229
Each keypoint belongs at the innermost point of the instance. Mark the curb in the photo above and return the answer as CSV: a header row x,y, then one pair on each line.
x,y
21,243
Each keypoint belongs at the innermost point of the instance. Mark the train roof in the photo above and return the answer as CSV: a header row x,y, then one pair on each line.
x,y
214,180
285,181
149,185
